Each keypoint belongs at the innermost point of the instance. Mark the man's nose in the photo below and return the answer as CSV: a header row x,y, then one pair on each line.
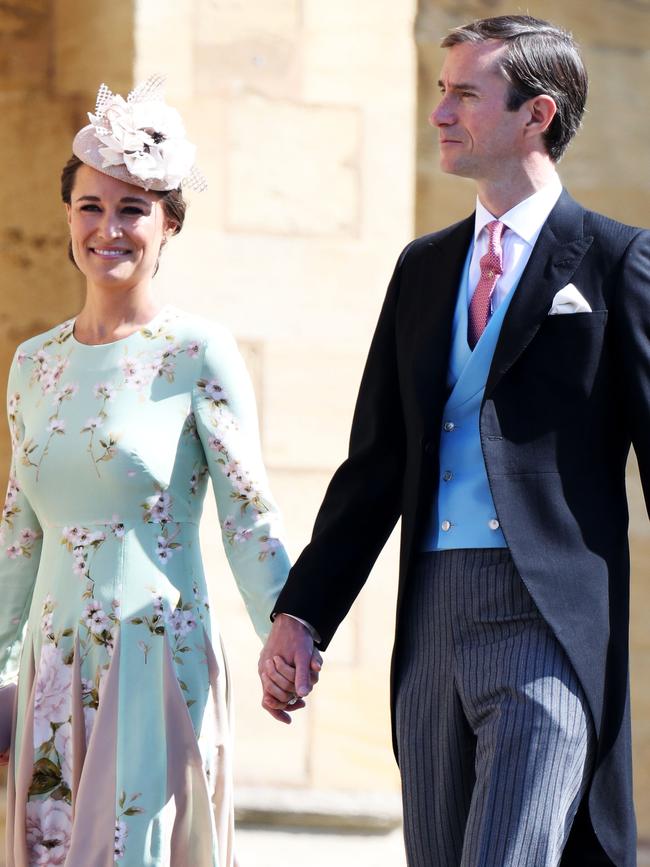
x,y
442,114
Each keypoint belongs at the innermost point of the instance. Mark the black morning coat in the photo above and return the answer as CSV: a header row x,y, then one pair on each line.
x,y
565,397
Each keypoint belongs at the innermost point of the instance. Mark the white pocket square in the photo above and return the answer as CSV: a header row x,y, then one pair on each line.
x,y
569,300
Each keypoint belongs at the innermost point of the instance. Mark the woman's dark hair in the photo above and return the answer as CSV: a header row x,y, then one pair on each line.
x,y
173,203
539,58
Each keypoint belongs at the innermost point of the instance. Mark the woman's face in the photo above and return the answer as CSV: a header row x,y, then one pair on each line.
x,y
116,229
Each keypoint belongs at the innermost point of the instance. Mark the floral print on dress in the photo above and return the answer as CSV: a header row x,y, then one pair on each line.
x,y
156,509
243,490
108,442
82,543
48,827
56,426
177,624
112,450
127,808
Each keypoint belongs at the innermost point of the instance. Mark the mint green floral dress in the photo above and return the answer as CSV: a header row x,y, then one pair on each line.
x,y
121,744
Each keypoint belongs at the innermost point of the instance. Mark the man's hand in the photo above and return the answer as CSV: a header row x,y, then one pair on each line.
x,y
289,666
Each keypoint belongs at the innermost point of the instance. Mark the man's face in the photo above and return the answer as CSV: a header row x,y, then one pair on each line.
x,y
479,137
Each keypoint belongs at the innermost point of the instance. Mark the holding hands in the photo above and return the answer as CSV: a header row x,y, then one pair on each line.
x,y
289,667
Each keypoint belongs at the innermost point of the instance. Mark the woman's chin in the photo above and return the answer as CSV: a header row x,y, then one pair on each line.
x,y
112,273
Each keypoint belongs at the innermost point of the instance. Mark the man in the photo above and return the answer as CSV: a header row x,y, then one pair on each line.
x,y
512,350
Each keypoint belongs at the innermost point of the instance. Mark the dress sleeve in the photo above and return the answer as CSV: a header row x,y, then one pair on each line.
x,y
251,528
20,546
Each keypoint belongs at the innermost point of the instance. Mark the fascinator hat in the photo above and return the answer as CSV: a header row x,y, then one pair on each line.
x,y
140,140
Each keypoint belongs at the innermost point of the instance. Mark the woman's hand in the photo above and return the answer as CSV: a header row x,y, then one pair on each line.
x,y
289,667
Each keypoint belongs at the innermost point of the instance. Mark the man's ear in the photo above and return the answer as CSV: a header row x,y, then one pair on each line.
x,y
541,110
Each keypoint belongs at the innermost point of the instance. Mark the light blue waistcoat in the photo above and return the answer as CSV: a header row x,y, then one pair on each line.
x,y
463,514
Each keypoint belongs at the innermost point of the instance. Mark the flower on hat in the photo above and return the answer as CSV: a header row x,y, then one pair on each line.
x,y
144,134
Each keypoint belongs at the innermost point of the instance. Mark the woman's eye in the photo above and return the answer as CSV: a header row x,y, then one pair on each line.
x,y
89,207
131,211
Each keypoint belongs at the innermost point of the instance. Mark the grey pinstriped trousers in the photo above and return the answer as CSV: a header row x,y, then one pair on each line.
x,y
494,733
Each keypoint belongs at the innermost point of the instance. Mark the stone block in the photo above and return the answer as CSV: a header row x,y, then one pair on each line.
x,y
309,395
293,169
219,22
640,677
377,602
351,728
24,47
278,289
93,43
35,142
630,205
388,195
615,131
163,43
263,64
621,25
362,16
354,66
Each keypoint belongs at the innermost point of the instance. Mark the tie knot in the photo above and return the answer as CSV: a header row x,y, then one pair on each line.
x,y
495,231
491,262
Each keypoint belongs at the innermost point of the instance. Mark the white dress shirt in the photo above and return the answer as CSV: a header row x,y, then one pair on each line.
x,y
523,224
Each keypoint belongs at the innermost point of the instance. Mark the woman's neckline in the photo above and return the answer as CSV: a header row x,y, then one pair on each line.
x,y
119,340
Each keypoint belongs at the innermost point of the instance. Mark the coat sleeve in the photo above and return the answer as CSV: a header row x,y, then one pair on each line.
x,y
251,528
363,500
20,545
632,317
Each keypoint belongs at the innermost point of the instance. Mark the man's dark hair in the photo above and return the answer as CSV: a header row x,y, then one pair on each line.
x,y
539,58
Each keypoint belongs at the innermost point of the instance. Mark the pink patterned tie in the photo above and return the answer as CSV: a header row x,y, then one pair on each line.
x,y
491,270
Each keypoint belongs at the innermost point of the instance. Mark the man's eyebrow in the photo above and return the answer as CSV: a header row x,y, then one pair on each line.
x,y
460,85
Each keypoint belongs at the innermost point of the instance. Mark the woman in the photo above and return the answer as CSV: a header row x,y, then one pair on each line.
x,y
118,417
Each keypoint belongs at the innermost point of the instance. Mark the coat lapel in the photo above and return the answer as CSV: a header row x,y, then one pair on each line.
x,y
559,250
431,326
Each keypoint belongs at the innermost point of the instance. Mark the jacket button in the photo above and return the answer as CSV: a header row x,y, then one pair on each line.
x,y
448,426
493,524
445,526
447,475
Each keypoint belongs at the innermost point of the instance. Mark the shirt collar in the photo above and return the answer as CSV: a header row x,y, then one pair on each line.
x,y
526,218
